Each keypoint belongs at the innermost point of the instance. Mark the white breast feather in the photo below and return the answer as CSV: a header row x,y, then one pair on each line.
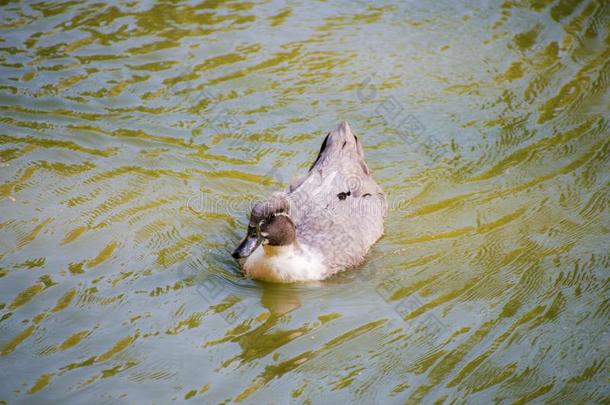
x,y
285,264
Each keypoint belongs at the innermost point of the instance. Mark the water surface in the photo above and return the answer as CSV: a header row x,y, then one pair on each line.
x,y
134,136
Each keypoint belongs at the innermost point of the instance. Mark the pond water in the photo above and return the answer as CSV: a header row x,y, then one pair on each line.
x,y
135,136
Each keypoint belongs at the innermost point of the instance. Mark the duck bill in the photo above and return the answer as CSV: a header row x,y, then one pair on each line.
x,y
246,247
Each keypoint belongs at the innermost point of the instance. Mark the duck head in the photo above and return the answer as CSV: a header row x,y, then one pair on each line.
x,y
262,221
277,230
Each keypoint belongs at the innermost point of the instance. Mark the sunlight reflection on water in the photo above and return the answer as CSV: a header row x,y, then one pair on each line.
x,y
134,137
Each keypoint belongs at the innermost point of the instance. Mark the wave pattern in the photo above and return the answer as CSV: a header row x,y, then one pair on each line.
x,y
135,135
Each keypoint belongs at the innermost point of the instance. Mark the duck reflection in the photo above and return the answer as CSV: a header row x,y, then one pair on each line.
x,y
269,336
279,300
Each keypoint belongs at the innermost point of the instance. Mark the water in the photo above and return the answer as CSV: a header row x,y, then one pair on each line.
x,y
134,136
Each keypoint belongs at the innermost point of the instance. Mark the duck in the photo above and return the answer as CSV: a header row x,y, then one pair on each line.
x,y
322,223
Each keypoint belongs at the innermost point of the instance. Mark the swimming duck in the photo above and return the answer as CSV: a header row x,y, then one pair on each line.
x,y
322,223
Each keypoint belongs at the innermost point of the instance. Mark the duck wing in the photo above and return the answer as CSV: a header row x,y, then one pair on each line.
x,y
337,206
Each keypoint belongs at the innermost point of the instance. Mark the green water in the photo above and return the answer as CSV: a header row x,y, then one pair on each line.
x,y
134,137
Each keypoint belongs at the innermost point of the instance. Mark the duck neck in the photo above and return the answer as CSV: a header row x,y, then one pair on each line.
x,y
294,247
